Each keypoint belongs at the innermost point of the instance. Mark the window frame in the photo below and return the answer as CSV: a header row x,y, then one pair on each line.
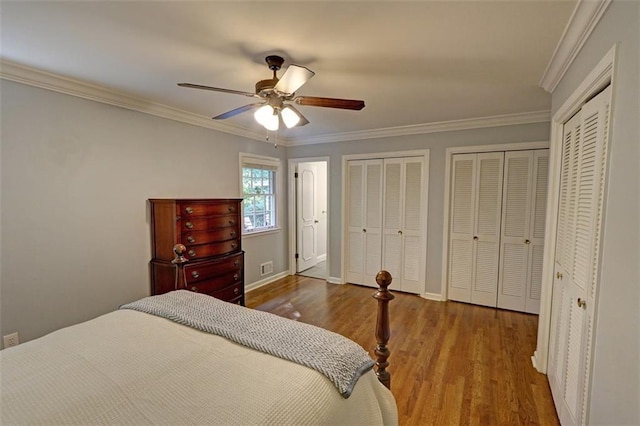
x,y
272,165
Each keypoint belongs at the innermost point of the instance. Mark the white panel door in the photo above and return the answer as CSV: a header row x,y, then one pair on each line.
x,y
475,227
306,217
403,244
577,257
364,228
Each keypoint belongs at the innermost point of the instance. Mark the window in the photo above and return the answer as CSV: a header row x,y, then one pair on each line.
x,y
259,192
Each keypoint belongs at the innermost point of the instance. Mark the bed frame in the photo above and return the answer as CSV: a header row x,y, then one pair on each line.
x,y
382,295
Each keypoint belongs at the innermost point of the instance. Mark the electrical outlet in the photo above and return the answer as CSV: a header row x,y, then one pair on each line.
x,y
11,340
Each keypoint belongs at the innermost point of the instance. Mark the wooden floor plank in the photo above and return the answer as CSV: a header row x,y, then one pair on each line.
x,y
451,363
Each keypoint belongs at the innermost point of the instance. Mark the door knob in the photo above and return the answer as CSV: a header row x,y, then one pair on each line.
x,y
475,238
400,232
315,221
364,230
559,275
582,303
527,242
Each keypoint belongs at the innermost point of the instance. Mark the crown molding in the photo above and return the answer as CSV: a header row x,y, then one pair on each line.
x,y
584,19
45,80
437,127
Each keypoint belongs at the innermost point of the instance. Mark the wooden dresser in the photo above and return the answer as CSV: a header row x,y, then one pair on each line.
x,y
210,231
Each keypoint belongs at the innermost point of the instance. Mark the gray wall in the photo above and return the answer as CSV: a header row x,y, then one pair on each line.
x,y
615,392
76,175
437,144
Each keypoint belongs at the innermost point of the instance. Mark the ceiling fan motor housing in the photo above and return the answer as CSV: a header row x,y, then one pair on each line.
x,y
263,87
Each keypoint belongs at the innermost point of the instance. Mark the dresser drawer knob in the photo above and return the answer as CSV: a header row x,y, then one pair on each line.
x,y
194,289
236,263
195,274
189,225
191,239
232,234
234,245
232,209
189,210
192,253
236,290
236,276
232,222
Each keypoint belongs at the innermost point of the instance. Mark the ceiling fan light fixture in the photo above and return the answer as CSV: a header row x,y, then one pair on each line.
x,y
290,117
268,117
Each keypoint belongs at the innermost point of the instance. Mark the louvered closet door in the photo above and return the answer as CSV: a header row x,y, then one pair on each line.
x,y
403,246
582,183
522,239
364,205
474,243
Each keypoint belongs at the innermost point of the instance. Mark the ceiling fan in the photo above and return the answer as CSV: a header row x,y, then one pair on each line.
x,y
277,95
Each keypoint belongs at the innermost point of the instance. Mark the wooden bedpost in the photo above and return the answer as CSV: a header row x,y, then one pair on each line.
x,y
179,261
383,296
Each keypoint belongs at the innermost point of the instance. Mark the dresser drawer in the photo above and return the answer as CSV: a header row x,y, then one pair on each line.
x,y
228,293
218,284
209,222
210,236
231,265
214,249
194,209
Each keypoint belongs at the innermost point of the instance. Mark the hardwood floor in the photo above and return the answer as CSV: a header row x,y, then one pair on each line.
x,y
451,363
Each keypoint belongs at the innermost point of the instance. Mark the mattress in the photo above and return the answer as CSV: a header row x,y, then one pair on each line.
x,y
129,367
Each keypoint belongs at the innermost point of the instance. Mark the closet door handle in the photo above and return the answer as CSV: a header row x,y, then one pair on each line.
x,y
400,232
364,230
559,275
475,238
582,303
527,242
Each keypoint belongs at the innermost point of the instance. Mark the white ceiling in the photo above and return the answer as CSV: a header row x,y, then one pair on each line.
x,y
412,63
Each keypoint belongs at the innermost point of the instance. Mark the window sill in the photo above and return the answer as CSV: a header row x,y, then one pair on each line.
x,y
257,233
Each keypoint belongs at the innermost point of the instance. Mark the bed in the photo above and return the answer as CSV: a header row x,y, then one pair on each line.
x,y
172,359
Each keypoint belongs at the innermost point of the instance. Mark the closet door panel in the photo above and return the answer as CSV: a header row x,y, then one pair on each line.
x,y
413,244
536,230
365,221
355,217
392,216
488,204
462,226
516,210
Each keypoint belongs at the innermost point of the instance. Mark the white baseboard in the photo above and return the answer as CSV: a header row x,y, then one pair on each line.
x,y
322,257
334,280
433,296
265,281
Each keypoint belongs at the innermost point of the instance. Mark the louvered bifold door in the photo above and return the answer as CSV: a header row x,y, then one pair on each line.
x,y
522,239
515,230
575,288
486,236
364,205
474,241
414,244
462,211
403,245
536,230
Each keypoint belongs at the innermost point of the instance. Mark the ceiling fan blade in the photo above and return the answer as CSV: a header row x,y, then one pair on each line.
x,y
329,102
303,120
293,78
237,111
218,89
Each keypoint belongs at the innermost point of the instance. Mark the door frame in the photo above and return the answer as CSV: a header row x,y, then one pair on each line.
x,y
596,80
292,201
449,153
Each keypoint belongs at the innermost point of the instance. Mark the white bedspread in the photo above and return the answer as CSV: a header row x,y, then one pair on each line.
x,y
129,367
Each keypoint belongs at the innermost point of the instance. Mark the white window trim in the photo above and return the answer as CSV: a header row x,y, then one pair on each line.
x,y
269,162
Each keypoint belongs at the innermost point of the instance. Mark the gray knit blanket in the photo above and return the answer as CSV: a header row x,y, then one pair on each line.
x,y
341,360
